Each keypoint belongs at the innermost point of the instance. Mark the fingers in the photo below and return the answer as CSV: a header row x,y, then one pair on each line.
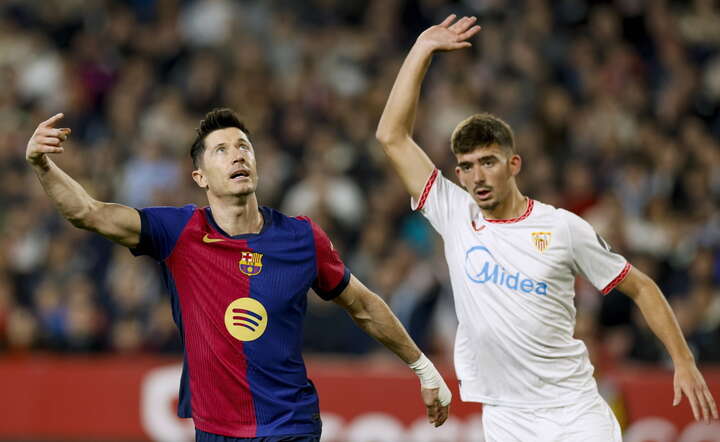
x,y
460,45
693,403
448,20
469,33
61,133
437,414
432,412
442,415
48,148
52,120
678,395
710,402
700,397
48,141
707,404
463,24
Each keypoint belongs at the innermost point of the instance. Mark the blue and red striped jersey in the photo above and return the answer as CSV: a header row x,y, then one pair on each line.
x,y
239,302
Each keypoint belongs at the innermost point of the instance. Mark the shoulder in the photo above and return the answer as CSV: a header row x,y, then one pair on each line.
x,y
280,219
188,208
561,221
169,213
553,214
298,225
572,220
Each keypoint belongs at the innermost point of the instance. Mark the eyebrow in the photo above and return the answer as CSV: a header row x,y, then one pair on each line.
x,y
242,140
479,160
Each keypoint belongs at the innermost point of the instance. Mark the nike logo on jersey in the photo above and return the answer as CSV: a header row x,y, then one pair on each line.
x,y
207,239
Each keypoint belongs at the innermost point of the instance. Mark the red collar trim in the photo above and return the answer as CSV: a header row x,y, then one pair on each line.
x,y
528,210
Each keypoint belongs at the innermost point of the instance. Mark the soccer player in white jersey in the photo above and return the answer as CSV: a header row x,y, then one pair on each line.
x,y
512,264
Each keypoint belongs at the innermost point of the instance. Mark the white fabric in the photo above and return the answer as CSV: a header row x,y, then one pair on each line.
x,y
590,420
514,302
430,378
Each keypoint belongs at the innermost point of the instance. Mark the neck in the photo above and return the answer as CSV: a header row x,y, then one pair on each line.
x,y
237,215
512,207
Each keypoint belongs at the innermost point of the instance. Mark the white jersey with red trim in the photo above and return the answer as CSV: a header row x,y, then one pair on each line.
x,y
513,285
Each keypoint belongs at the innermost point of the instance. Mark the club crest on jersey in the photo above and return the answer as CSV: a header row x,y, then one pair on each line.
x,y
541,240
251,263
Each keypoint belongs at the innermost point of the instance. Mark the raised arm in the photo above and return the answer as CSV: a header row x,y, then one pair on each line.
x,y
396,124
661,320
374,316
114,221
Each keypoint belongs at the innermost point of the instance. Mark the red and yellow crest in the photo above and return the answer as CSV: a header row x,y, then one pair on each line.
x,y
251,263
541,240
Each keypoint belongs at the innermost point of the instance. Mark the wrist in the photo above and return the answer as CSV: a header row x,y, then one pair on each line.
x,y
41,163
422,48
426,372
684,361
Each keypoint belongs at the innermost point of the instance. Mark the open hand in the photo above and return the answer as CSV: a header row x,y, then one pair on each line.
x,y
449,36
690,382
46,139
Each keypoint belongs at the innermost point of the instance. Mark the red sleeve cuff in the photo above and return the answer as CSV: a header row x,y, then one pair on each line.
x,y
618,279
426,190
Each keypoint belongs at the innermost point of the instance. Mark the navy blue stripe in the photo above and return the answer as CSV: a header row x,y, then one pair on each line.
x,y
334,293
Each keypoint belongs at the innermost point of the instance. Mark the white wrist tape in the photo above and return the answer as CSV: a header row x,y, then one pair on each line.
x,y
430,378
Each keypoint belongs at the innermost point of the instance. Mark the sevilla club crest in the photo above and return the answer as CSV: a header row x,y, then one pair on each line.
x,y
541,240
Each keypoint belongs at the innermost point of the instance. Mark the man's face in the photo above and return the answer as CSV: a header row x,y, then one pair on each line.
x,y
228,164
487,173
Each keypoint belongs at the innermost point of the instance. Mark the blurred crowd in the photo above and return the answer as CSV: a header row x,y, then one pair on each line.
x,y
615,107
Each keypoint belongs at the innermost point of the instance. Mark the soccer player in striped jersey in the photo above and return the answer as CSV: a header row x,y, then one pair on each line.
x,y
238,275
512,264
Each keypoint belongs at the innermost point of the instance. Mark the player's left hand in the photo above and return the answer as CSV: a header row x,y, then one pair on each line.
x,y
449,35
690,382
437,413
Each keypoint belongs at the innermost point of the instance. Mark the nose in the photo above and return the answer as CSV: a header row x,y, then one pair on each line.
x,y
478,174
238,156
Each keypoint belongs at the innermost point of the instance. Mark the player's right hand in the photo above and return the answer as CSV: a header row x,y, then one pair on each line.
x,y
46,139
449,36
437,412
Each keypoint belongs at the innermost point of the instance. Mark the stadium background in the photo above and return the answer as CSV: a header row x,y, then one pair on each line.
x,y
616,110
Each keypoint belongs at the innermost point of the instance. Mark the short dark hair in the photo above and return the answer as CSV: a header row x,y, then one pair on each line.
x,y
482,130
219,118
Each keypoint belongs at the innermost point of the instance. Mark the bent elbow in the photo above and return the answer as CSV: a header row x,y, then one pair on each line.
x,y
390,139
387,136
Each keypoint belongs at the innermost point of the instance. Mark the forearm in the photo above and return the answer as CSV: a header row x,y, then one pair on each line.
x,y
377,320
659,316
71,199
398,117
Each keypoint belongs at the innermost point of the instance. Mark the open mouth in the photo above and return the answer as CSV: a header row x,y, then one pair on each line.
x,y
483,193
240,175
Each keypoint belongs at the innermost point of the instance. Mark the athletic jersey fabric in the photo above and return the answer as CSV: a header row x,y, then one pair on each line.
x,y
239,303
513,285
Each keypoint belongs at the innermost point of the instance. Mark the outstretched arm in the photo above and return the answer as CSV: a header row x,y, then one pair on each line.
x,y
661,320
114,221
396,124
374,316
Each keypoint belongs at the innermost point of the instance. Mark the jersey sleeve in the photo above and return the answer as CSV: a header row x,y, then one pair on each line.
x,y
592,256
438,201
160,229
332,275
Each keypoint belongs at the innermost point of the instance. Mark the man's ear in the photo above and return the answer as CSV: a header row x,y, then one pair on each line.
x,y
515,163
457,174
199,178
